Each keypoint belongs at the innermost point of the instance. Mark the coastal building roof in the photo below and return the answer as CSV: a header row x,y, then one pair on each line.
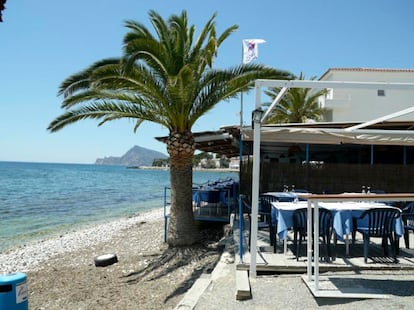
x,y
359,69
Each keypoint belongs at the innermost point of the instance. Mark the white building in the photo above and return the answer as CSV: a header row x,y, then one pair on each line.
x,y
347,105
234,163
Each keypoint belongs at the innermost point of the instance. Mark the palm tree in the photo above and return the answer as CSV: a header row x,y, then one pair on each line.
x,y
167,79
2,7
298,105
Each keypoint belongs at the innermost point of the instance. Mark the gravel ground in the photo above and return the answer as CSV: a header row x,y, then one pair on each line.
x,y
62,275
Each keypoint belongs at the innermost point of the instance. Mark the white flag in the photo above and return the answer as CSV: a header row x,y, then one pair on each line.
x,y
251,49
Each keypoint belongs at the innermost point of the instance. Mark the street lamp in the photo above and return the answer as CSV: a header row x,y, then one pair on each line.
x,y
257,115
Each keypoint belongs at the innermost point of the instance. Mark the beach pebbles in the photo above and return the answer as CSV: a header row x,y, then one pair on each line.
x,y
105,260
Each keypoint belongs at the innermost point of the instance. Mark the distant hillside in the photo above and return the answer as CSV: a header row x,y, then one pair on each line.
x,y
136,156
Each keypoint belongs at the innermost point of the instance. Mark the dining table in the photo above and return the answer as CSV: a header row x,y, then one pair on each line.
x,y
342,212
311,278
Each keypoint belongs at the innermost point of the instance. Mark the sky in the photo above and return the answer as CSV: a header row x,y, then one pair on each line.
x,y
44,42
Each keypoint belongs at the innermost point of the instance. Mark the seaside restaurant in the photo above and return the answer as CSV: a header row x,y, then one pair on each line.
x,y
350,169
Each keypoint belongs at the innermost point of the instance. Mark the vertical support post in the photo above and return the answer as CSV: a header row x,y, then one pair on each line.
x,y
241,216
165,214
316,244
240,141
255,186
241,232
307,153
309,245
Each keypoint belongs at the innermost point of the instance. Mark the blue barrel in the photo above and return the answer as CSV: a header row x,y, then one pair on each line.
x,y
13,291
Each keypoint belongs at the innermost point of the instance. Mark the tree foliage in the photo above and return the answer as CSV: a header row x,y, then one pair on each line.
x,y
165,76
298,105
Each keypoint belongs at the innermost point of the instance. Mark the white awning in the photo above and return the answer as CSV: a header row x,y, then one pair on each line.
x,y
331,136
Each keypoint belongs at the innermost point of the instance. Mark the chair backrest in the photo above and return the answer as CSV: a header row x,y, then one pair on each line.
x,y
381,220
408,215
325,222
266,203
300,217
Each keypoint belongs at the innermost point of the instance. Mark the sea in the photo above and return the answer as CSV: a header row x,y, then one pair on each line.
x,y
40,200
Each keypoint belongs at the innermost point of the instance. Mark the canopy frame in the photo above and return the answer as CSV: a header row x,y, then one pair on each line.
x,y
285,85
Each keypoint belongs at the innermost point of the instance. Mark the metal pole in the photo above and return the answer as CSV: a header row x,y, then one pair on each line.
x,y
241,217
309,245
240,142
165,214
241,234
255,187
316,244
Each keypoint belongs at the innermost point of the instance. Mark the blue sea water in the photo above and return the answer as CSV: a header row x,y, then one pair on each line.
x,y
38,200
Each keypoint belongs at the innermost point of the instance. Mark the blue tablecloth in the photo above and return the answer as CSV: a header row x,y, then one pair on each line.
x,y
224,192
206,195
343,212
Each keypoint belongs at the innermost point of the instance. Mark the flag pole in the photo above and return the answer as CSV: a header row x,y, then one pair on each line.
x,y
240,173
241,98
251,52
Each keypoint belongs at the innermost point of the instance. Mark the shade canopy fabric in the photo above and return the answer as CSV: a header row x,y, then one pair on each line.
x,y
314,135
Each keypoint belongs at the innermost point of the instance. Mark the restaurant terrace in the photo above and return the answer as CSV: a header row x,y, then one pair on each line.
x,y
351,170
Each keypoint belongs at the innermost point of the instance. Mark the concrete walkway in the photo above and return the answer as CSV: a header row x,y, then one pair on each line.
x,y
288,291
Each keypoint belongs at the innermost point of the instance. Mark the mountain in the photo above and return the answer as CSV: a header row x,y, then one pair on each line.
x,y
136,156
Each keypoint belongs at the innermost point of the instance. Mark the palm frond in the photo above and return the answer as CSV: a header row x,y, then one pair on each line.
x,y
80,80
297,106
166,77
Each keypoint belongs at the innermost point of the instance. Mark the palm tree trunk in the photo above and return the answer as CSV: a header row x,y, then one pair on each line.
x,y
181,226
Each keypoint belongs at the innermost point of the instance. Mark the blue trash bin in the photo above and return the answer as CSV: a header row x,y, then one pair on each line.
x,y
13,292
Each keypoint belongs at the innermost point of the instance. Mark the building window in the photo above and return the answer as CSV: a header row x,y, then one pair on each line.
x,y
381,92
327,115
329,94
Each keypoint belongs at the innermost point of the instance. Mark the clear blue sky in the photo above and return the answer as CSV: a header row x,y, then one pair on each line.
x,y
43,42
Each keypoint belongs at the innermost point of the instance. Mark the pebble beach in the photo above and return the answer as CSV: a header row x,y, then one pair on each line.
x,y
30,257
61,273
57,218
